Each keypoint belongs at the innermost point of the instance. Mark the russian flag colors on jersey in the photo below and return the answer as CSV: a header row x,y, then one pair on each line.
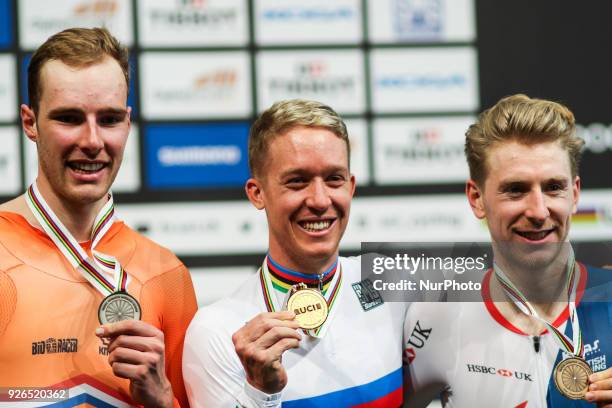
x,y
357,363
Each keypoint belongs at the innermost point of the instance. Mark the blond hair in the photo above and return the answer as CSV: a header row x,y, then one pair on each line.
x,y
76,47
525,120
285,115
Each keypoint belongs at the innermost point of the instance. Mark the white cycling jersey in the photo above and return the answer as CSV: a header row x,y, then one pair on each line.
x,y
357,362
479,359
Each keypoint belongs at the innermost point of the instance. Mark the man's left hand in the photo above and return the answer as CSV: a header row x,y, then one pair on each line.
x,y
136,352
600,389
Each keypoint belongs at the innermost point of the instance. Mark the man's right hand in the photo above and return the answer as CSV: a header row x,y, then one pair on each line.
x,y
260,345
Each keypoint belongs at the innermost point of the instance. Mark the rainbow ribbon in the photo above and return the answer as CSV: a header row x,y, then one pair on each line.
x,y
574,346
103,271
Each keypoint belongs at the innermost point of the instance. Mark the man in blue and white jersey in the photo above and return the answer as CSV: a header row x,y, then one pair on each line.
x,y
246,350
540,307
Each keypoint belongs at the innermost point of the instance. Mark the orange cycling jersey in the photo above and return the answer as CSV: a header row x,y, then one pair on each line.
x,y
49,313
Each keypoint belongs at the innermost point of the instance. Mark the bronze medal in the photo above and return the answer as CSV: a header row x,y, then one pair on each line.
x,y
572,377
118,306
309,306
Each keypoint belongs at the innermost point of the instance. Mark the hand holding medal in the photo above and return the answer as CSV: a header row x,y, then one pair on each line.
x,y
572,377
260,345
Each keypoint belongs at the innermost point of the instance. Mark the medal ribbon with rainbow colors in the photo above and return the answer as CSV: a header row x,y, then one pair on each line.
x,y
102,271
576,345
330,296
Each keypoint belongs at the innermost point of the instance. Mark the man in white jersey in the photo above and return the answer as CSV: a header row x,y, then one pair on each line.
x,y
247,350
521,346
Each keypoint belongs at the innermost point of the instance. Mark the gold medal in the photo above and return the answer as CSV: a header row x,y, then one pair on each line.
x,y
309,306
572,377
118,306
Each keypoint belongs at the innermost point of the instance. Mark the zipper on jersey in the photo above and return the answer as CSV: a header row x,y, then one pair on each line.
x,y
542,381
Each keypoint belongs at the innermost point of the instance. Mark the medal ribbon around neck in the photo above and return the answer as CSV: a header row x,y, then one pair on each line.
x,y
95,269
283,279
272,304
574,346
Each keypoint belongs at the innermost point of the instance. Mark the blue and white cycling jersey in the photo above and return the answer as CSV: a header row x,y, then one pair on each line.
x,y
479,359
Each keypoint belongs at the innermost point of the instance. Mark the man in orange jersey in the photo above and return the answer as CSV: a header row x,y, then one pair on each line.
x,y
67,265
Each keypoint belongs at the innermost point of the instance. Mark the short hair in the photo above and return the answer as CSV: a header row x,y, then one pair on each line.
x,y
76,47
284,115
525,120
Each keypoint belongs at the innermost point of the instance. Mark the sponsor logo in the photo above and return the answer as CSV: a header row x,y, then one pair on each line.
x,y
313,78
143,228
597,137
367,295
586,215
218,84
310,14
414,19
53,346
97,11
417,339
504,373
424,221
590,349
199,155
425,145
192,3
593,215
501,372
194,227
193,13
598,363
444,79
419,336
96,8
103,348
423,81
308,308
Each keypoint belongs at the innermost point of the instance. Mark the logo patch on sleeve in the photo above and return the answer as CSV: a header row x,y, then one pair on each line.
x,y
367,295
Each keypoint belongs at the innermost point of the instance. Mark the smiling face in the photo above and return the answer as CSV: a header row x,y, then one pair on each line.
x,y
306,189
527,199
80,129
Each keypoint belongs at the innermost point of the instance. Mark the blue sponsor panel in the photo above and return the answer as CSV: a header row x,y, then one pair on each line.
x,y
6,24
133,81
205,155
23,86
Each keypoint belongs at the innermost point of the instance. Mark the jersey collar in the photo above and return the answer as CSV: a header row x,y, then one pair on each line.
x,y
499,318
